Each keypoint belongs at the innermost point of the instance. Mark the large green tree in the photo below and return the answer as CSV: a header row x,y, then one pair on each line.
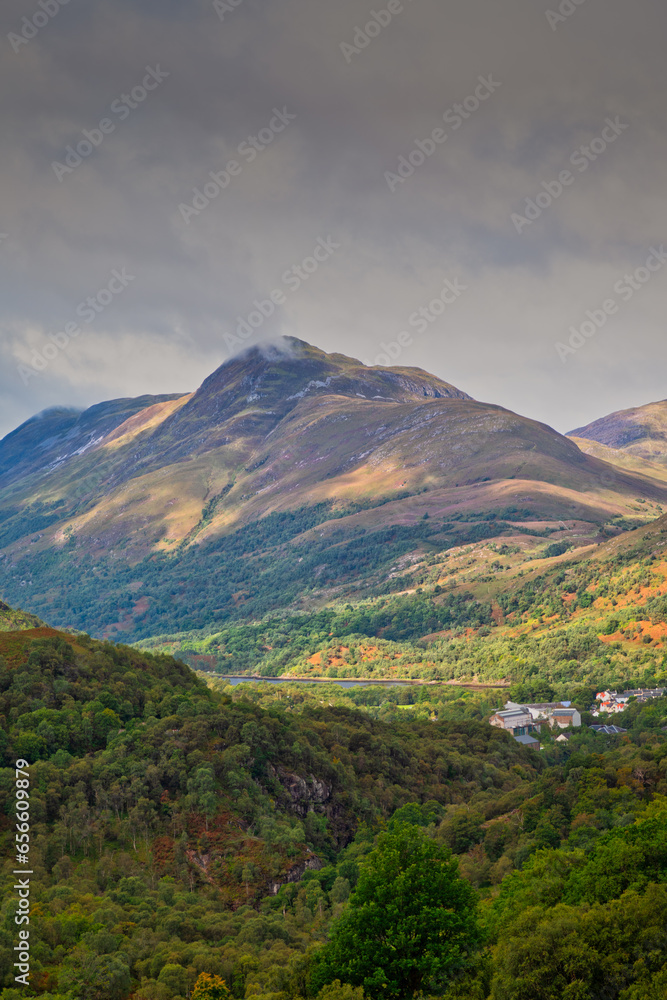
x,y
410,925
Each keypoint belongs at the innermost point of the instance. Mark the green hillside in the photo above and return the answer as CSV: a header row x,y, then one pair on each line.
x,y
13,621
515,610
291,479
178,832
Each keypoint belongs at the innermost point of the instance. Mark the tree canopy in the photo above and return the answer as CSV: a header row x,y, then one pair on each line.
x,y
410,923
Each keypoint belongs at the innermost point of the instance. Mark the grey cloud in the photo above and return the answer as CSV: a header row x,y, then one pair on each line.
x,y
324,175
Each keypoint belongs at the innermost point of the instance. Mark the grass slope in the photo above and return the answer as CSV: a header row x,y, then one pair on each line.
x,y
289,479
640,432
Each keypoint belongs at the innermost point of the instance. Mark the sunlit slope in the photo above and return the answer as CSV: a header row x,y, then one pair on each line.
x,y
495,611
640,432
15,621
325,446
270,432
59,435
620,458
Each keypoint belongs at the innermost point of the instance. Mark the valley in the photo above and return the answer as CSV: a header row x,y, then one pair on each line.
x,y
291,479
266,626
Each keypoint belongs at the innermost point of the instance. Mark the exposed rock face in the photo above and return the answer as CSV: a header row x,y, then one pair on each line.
x,y
296,873
305,793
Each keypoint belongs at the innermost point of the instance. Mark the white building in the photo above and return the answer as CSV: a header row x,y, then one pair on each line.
x,y
529,718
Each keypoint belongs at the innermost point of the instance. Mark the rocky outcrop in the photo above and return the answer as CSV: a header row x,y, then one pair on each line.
x,y
305,793
296,873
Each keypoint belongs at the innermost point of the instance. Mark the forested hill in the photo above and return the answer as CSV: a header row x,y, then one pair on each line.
x,y
160,808
289,478
182,839
544,616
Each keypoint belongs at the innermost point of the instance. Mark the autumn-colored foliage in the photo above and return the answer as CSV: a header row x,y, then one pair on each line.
x,y
210,987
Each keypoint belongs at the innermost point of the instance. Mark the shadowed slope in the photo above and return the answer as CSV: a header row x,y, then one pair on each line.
x,y
640,432
274,433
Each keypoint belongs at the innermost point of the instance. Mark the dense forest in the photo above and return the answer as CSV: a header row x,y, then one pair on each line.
x,y
591,620
262,567
197,840
191,839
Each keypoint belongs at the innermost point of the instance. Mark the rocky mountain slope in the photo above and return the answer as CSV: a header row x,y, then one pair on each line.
x,y
639,433
172,512
55,436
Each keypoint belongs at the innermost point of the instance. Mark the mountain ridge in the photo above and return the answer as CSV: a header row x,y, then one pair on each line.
x,y
298,448
59,427
639,432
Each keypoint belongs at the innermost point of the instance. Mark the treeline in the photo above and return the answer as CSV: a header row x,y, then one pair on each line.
x,y
278,643
258,569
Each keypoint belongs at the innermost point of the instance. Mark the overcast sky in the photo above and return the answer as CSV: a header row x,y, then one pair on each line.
x,y
180,87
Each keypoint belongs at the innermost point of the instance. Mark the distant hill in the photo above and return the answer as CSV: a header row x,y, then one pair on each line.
x,y
55,436
640,433
289,476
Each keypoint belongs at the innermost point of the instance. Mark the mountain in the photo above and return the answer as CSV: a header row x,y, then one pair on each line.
x,y
52,437
290,475
639,433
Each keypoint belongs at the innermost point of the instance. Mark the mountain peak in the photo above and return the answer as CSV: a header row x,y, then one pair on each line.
x,y
640,432
302,368
252,392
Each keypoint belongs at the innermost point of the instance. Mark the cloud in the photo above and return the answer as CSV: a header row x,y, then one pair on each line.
x,y
324,176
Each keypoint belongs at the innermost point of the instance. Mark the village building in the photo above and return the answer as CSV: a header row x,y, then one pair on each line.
x,y
521,720
517,721
565,717
611,702
528,741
